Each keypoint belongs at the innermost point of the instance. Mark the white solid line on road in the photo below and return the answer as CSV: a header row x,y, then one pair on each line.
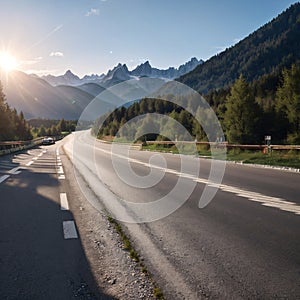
x,y
4,177
30,163
64,205
267,201
14,171
69,229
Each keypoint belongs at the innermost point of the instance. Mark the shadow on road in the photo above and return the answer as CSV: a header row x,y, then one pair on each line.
x,y
36,262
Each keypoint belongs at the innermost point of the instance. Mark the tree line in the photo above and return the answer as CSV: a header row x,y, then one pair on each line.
x,y
13,125
47,127
247,112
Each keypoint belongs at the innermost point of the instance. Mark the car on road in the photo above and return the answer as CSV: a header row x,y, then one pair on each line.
x,y
48,141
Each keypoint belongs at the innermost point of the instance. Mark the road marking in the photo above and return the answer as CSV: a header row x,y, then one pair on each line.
x,y
14,171
35,158
69,229
264,200
60,170
61,177
64,205
30,163
40,154
3,178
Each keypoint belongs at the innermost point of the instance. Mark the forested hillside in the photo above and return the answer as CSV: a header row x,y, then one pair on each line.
x,y
13,126
267,50
244,119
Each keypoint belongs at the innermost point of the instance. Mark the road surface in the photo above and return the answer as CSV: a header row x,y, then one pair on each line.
x,y
41,254
244,245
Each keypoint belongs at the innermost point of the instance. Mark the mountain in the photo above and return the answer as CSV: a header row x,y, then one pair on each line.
x,y
67,79
93,77
91,88
38,99
66,96
121,73
146,69
269,49
118,74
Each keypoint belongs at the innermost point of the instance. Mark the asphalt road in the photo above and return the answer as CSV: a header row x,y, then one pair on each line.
x,y
41,254
244,245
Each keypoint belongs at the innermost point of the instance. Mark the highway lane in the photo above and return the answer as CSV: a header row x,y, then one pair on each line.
x,y
41,254
244,244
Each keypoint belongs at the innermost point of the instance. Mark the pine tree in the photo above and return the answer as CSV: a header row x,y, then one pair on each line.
x,y
4,117
62,125
288,102
242,114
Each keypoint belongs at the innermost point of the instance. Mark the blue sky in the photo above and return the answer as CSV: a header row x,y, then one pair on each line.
x,y
92,36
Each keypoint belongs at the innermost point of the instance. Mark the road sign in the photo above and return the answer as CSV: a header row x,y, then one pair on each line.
x,y
267,138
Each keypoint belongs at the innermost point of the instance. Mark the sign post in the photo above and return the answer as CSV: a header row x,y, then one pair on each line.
x,y
268,142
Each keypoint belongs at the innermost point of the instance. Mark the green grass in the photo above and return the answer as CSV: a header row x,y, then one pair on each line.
x,y
126,242
158,293
276,158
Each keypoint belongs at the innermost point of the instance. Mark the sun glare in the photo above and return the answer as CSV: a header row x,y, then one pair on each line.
x,y
7,62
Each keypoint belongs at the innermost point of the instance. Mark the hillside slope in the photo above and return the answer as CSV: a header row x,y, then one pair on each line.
x,y
268,49
38,99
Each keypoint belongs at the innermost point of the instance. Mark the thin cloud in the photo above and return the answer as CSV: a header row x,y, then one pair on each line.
x,y
236,40
42,72
223,48
33,61
92,12
54,30
56,54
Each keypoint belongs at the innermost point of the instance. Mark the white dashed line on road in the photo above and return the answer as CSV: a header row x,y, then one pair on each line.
x,y
60,170
64,205
69,229
3,178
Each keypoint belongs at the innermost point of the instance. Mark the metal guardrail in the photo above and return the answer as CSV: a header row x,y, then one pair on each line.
x,y
228,146
8,147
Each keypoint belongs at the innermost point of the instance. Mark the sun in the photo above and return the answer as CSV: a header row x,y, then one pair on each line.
x,y
7,62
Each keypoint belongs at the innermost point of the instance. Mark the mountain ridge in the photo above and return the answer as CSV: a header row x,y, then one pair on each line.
x,y
270,48
121,73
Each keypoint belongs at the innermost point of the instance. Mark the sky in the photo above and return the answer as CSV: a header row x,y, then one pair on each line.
x,y
92,36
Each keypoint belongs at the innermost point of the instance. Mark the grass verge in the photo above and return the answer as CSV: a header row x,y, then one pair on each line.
x,y
290,159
